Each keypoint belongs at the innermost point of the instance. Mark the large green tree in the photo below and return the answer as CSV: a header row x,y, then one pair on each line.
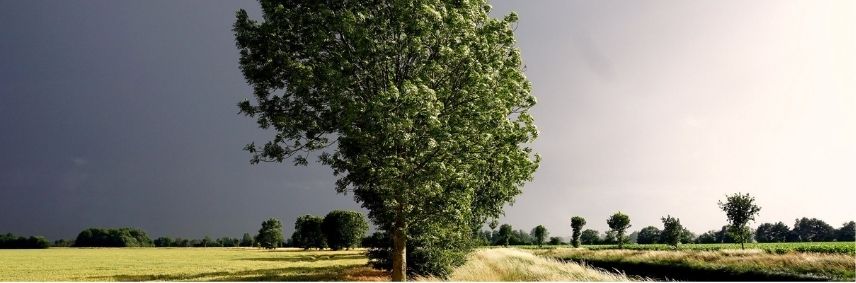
x,y
618,223
740,210
577,224
344,229
421,108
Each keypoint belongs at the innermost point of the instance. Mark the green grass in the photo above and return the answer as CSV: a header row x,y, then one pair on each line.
x,y
776,248
184,264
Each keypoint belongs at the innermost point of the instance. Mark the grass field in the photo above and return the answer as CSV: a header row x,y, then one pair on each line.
x,y
184,264
719,265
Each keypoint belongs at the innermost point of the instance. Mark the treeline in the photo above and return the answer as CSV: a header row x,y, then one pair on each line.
x,y
337,230
110,237
9,241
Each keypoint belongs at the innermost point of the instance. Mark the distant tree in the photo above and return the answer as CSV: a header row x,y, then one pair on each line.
x,y
772,233
493,223
63,243
740,210
708,237
723,236
555,241
344,229
813,230
163,242
247,240
687,236
577,224
539,233
632,237
672,231
648,235
610,238
619,222
270,235
590,237
308,233
847,232
228,242
505,232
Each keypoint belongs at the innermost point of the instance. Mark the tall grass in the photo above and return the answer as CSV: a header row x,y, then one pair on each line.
x,y
752,262
501,264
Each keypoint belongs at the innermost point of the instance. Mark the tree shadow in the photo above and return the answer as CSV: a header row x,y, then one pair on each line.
x,y
331,273
308,258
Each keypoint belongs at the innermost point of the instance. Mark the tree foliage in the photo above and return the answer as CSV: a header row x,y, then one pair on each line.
x,y
772,233
740,210
648,235
118,237
421,108
9,241
308,232
270,235
505,234
344,229
672,231
618,223
247,240
577,224
813,230
539,234
590,237
847,232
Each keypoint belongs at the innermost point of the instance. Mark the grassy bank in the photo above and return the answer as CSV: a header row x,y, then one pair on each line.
x,y
501,264
184,264
724,265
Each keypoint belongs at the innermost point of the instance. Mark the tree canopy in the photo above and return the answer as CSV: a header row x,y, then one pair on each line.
x,y
577,224
618,223
421,108
344,229
270,235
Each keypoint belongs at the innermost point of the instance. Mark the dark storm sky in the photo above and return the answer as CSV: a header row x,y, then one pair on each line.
x,y
122,113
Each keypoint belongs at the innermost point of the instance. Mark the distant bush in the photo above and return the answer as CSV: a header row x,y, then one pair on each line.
x,y
9,241
648,235
555,241
120,237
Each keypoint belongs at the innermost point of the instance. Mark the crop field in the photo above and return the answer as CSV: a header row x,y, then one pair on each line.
x,y
184,264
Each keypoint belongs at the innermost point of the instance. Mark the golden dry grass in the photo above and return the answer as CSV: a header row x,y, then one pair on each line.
x,y
503,264
831,266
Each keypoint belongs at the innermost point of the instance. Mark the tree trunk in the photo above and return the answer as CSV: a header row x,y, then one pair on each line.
x,y
399,253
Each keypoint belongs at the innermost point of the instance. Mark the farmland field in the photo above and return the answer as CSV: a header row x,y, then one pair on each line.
x,y
778,248
184,264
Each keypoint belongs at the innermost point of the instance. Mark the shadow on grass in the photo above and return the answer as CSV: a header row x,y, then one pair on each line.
x,y
308,258
330,273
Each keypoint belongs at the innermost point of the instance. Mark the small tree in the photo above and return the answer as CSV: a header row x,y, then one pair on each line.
x,y
590,237
577,224
540,234
270,235
672,231
619,222
648,235
505,232
344,229
740,210
308,232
